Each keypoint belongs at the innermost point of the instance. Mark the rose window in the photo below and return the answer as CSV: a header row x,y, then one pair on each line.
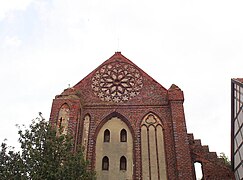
x,y
117,82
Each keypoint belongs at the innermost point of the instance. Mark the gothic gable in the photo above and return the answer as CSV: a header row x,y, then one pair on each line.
x,y
119,81
131,127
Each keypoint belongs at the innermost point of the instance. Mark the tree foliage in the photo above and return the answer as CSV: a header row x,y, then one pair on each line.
x,y
225,159
45,154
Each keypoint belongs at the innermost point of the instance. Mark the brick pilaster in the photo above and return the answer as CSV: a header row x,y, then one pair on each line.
x,y
183,157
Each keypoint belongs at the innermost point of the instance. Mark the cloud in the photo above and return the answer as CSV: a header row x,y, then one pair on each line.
x,y
196,45
13,41
12,5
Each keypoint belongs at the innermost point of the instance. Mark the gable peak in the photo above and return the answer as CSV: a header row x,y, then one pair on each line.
x,y
119,58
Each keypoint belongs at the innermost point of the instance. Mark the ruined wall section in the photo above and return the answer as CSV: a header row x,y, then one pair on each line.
x,y
213,168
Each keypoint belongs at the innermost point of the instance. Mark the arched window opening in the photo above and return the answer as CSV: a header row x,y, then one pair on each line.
x,y
63,119
105,163
123,135
198,170
85,133
107,136
60,123
123,163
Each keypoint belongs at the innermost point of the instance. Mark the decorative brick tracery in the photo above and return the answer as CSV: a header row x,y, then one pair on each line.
x,y
117,82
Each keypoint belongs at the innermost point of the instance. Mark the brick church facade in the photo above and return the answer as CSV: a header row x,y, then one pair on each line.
x,y
131,127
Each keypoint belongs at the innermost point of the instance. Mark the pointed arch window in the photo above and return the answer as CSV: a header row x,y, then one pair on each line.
x,y
60,123
63,119
123,163
107,136
105,163
123,135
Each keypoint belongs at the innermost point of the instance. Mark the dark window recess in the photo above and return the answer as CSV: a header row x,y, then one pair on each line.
x,y
123,135
107,136
105,163
123,163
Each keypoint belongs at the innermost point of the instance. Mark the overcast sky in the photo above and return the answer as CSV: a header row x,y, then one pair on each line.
x,y
48,44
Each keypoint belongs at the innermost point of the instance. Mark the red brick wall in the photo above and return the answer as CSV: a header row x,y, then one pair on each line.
x,y
182,151
213,167
166,104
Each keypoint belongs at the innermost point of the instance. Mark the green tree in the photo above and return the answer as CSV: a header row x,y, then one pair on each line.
x,y
10,163
45,154
225,159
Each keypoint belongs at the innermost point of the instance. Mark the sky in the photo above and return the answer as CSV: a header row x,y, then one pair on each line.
x,y
45,45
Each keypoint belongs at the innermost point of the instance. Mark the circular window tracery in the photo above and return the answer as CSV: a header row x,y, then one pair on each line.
x,y
117,82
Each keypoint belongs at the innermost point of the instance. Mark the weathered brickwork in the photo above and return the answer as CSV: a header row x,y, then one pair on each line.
x,y
212,166
135,95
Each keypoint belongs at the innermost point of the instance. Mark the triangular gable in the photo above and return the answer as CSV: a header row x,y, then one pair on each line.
x,y
119,80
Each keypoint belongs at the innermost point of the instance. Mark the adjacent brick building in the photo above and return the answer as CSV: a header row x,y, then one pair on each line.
x,y
132,127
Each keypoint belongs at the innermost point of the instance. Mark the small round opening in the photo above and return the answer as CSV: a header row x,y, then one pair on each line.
x,y
116,82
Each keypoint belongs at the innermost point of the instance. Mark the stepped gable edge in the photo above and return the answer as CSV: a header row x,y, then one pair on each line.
x,y
213,167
